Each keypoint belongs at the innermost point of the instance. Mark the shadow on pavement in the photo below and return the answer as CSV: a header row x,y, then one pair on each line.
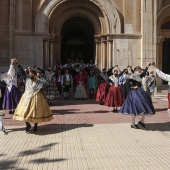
x,y
158,126
75,111
56,128
11,164
37,150
73,102
62,112
161,109
44,160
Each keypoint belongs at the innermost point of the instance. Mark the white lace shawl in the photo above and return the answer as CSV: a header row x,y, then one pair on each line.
x,y
32,88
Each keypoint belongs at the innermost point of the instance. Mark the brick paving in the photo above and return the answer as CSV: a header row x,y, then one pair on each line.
x,y
87,136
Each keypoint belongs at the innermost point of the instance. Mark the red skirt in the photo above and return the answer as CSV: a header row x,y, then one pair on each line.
x,y
114,97
101,92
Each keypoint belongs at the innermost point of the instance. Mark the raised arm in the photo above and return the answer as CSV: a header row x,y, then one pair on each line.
x,y
11,71
41,70
162,75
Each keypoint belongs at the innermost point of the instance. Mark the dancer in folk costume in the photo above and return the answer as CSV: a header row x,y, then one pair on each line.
x,y
91,83
80,84
165,77
137,101
52,90
102,89
58,80
152,86
125,87
147,81
4,76
114,96
33,106
12,94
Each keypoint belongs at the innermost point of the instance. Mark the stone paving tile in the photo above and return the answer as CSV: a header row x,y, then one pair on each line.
x,y
101,146
90,112
87,136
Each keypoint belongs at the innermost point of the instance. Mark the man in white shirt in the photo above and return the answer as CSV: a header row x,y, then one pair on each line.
x,y
165,77
10,73
67,81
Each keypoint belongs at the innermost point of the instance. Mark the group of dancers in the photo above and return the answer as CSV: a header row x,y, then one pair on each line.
x,y
129,89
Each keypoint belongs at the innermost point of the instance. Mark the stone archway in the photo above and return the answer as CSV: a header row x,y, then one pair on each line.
x,y
54,14
77,40
163,37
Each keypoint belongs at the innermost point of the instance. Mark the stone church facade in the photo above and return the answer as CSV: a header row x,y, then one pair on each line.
x,y
123,32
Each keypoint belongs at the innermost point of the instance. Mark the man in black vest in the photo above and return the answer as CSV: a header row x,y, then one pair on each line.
x,y
67,81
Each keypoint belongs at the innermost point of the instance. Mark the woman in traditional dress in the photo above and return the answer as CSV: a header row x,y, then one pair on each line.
x,y
152,85
137,101
12,94
125,87
91,83
102,88
4,76
114,96
52,90
33,106
80,84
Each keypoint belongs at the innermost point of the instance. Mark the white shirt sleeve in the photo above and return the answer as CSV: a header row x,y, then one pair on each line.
x,y
10,73
162,75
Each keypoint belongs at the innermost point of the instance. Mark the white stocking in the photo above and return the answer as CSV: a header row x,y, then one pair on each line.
x,y
143,118
1,122
133,119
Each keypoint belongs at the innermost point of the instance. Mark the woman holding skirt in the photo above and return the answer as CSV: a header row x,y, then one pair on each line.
x,y
33,106
137,101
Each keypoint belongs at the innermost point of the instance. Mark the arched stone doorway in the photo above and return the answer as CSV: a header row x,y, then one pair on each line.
x,y
77,40
163,42
166,57
54,15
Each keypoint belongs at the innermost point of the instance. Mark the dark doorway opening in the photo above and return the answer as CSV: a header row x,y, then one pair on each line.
x,y
77,40
166,57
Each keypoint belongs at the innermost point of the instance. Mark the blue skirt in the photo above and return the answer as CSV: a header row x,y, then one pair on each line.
x,y
136,103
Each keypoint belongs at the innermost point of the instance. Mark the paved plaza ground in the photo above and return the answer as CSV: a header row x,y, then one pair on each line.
x,y
87,136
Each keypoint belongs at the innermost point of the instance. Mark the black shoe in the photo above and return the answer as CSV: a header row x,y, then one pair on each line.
x,y
102,103
28,127
4,130
11,112
115,111
35,128
135,126
142,124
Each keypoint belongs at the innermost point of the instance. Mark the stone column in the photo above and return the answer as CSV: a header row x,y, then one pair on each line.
x,y
58,48
11,27
109,53
98,59
104,52
51,50
45,53
148,43
113,53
